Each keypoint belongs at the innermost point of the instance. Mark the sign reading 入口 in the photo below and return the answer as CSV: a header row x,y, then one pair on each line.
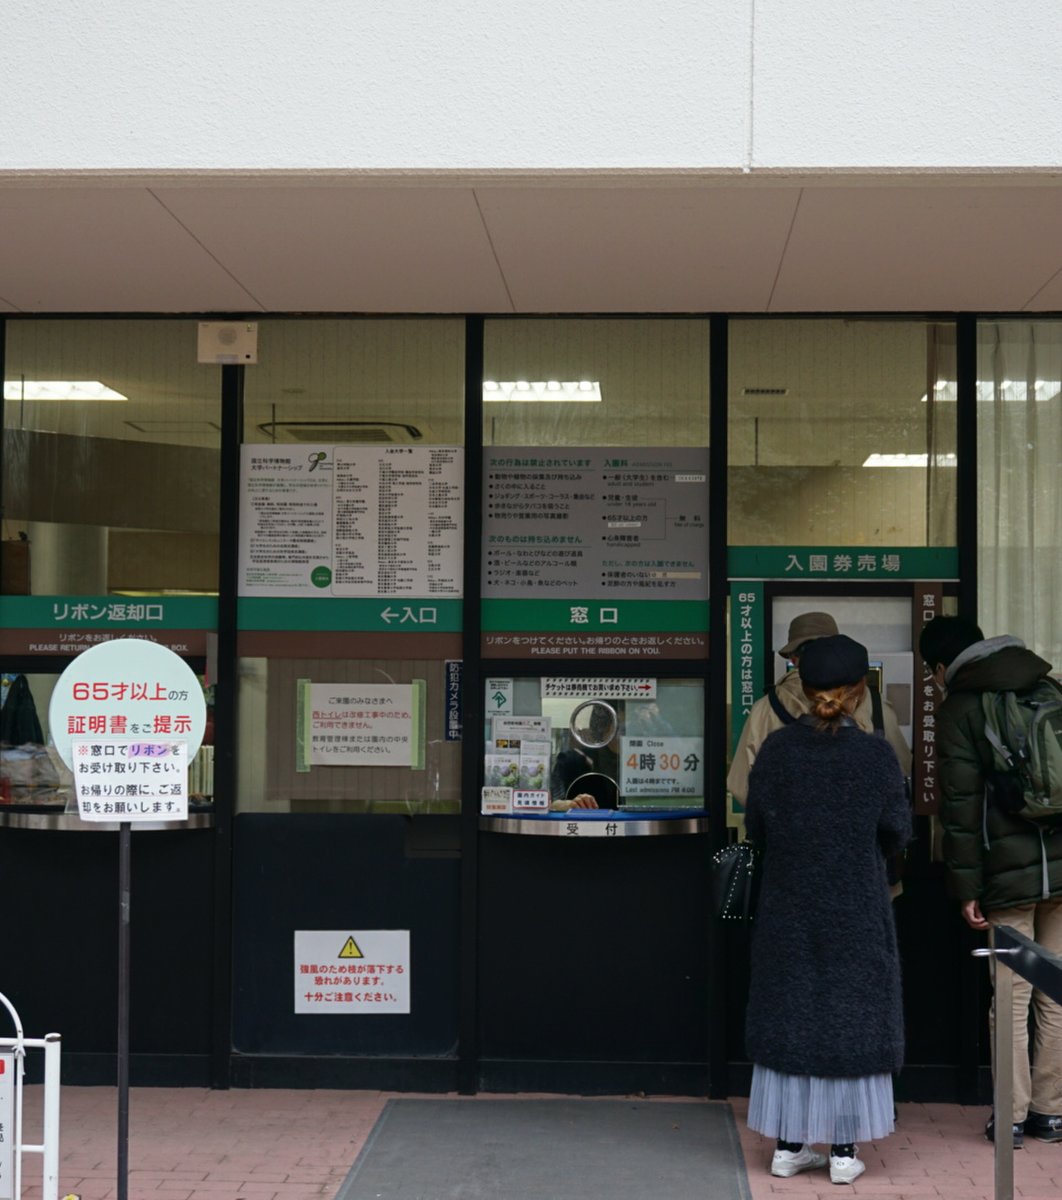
x,y
346,972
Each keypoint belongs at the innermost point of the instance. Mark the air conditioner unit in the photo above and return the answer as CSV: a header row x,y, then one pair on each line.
x,y
228,342
362,432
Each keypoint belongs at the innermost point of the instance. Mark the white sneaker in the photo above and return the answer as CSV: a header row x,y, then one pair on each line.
x,y
792,1162
845,1170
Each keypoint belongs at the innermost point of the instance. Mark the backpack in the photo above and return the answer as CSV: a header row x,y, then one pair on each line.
x,y
1024,730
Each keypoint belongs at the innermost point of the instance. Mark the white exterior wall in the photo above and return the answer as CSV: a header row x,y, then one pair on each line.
x,y
536,85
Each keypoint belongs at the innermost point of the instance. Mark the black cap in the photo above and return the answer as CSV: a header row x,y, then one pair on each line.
x,y
832,662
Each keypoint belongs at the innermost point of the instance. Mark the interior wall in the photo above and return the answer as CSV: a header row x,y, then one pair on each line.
x,y
158,561
833,506
75,480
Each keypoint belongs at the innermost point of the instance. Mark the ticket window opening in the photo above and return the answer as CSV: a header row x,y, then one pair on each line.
x,y
629,752
881,623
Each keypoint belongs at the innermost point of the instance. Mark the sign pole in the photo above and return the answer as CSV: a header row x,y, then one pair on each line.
x,y
124,884
126,716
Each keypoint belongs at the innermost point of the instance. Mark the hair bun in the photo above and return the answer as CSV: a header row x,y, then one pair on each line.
x,y
827,708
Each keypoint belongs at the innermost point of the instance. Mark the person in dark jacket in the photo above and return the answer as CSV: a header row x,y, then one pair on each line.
x,y
824,1026
999,866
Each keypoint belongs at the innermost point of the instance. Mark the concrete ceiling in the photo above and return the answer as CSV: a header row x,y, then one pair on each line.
x,y
389,244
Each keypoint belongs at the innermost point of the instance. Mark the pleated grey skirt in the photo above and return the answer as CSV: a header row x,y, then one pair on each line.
x,y
809,1108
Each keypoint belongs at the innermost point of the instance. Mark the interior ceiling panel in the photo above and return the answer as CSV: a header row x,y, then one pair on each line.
x,y
1049,298
348,249
104,249
948,248
425,244
647,249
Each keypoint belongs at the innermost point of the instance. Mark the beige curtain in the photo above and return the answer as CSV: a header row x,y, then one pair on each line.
x,y
1019,460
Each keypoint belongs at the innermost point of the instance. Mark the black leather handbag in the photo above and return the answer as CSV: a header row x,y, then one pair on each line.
x,y
735,881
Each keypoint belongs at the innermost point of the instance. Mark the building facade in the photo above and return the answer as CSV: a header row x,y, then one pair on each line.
x,y
460,386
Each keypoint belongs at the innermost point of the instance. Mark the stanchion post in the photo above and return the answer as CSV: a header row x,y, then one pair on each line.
x,y
124,886
1003,1085
50,1169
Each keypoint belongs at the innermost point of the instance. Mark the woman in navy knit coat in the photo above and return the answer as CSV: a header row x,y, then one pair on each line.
x,y
824,1027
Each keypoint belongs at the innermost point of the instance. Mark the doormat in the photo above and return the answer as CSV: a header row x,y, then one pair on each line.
x,y
473,1149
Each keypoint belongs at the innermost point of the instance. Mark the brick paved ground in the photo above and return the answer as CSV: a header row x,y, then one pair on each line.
x,y
192,1144
937,1150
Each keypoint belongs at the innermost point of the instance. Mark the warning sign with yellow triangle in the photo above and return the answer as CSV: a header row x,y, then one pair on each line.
x,y
350,949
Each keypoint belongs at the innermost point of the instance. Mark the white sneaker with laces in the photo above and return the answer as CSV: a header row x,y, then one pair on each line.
x,y
845,1170
791,1162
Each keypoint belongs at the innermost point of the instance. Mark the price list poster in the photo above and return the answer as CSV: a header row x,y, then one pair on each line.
x,y
595,553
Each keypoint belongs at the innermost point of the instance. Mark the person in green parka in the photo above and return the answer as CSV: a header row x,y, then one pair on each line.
x,y
1002,868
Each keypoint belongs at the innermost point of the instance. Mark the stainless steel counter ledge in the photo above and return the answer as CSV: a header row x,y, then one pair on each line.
x,y
561,825
64,822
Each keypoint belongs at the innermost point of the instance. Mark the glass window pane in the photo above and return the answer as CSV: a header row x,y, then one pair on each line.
x,y
1019,445
112,438
590,748
374,385
841,432
595,488
369,382
648,383
273,779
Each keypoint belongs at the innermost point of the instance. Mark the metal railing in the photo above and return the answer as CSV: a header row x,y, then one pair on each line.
x,y
1017,954
12,1055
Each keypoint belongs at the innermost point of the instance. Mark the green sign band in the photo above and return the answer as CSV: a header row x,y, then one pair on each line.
x,y
109,612
594,616
850,564
382,614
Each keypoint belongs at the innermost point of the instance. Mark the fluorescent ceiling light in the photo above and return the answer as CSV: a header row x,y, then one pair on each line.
x,y
520,391
909,460
1007,390
59,389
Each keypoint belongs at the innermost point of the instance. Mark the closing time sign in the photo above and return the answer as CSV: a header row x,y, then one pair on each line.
x,y
347,972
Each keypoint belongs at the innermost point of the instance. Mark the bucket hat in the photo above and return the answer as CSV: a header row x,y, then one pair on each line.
x,y
805,628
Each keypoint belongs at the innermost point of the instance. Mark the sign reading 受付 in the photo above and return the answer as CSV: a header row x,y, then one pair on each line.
x,y
131,779
342,971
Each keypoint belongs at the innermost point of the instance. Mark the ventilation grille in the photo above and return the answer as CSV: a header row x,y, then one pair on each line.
x,y
764,391
330,432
